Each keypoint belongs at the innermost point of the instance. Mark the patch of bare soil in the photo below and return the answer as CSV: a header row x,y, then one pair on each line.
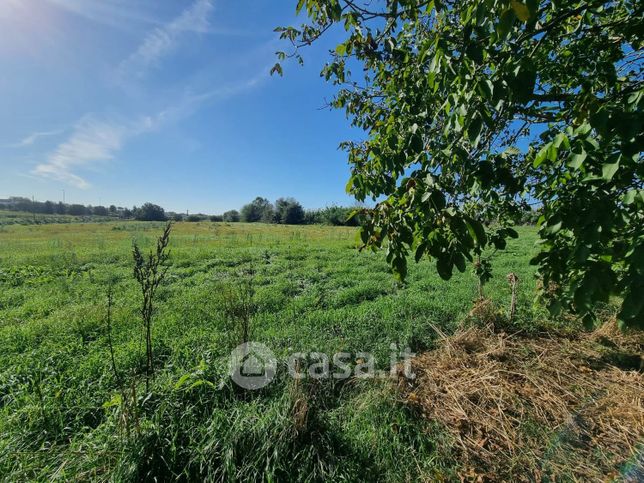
x,y
545,408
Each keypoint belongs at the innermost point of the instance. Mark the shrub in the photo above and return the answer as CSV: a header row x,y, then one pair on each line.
x,y
150,212
100,211
231,216
260,209
77,210
289,211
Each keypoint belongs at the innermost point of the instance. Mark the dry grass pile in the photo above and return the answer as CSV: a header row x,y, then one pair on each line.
x,y
536,408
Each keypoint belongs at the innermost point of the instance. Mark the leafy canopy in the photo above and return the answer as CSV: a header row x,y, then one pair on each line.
x,y
260,209
475,109
289,211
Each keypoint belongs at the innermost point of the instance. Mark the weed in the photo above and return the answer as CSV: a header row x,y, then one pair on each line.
x,y
149,273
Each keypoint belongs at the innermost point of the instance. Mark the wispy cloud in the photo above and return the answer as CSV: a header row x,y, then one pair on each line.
x,y
32,138
120,14
164,39
94,140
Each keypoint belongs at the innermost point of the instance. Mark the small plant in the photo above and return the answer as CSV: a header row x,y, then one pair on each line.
x,y
149,272
514,283
239,306
483,271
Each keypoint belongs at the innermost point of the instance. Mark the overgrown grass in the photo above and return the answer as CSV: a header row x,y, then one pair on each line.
x,y
311,291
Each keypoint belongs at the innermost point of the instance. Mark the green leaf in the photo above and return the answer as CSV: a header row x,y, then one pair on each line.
x,y
115,401
341,49
541,156
588,321
577,159
459,261
416,143
336,10
202,382
633,306
182,381
477,231
474,130
486,88
420,251
582,130
444,267
505,22
277,69
554,228
554,308
533,6
609,170
399,266
499,243
523,81
364,235
349,185
629,197
438,199
560,139
521,10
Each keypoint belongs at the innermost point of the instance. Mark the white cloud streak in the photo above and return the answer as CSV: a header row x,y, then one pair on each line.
x,y
163,40
119,14
91,141
95,141
32,138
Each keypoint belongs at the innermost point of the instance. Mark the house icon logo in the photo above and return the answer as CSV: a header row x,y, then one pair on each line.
x,y
252,366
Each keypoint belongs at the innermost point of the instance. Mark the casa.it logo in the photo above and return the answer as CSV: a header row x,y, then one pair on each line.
x,y
252,366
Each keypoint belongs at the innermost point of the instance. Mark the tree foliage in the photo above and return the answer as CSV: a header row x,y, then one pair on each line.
x,y
260,209
475,109
150,212
100,211
288,211
231,216
333,215
78,210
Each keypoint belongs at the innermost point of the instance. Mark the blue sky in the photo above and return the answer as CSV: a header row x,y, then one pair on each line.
x,y
169,101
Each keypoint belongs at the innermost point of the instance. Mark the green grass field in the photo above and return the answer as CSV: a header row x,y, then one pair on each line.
x,y
313,291
24,218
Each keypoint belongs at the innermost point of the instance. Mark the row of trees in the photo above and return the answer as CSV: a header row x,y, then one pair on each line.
x,y
147,212
59,208
288,211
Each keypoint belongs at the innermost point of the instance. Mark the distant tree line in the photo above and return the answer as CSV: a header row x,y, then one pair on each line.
x,y
147,212
285,211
